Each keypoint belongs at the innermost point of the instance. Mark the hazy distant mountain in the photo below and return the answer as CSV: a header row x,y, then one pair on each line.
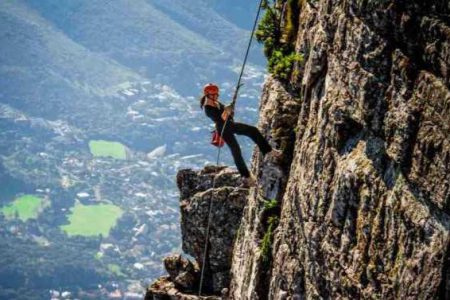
x,y
173,41
45,72
65,57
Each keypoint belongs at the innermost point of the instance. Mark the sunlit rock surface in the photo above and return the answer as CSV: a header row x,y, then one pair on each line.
x,y
365,212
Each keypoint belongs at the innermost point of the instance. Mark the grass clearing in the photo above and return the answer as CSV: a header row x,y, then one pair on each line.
x,y
92,220
115,269
101,148
25,207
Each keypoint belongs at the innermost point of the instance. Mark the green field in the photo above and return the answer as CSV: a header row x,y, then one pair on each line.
x,y
92,220
26,207
103,148
115,269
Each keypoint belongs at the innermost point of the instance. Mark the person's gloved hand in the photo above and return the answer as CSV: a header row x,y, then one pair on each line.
x,y
228,111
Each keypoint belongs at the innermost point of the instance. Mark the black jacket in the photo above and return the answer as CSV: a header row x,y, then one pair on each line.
x,y
215,114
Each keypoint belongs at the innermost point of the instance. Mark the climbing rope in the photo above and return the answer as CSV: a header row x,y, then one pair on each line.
x,y
233,102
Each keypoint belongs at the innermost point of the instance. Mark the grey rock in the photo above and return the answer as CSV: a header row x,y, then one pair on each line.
x,y
219,187
365,211
164,289
227,204
182,272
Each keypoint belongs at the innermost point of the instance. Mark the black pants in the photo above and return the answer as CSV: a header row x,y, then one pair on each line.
x,y
247,130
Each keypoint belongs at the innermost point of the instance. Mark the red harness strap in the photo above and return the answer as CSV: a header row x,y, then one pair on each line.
x,y
216,139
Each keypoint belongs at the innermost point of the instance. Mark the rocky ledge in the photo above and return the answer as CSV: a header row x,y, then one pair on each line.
x,y
197,189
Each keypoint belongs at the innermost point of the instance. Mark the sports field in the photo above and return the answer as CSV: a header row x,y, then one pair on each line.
x,y
115,269
92,220
25,207
101,148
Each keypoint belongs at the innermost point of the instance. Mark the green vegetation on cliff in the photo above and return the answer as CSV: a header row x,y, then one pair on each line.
x,y
271,213
277,30
267,241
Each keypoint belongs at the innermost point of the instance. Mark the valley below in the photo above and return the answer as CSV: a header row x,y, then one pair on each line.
x,y
94,125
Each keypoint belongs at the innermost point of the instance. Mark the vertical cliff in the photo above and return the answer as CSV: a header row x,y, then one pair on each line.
x,y
360,206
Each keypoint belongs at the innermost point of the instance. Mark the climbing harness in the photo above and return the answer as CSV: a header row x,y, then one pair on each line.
x,y
216,139
233,102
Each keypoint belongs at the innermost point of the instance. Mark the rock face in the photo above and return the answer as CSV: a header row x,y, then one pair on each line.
x,y
165,289
365,209
182,272
220,188
359,206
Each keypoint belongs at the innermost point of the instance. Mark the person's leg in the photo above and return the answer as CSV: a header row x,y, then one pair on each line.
x,y
253,133
232,143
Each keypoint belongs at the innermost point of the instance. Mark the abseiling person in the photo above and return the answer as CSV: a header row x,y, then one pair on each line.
x,y
219,113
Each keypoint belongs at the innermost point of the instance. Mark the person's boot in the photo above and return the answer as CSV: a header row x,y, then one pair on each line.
x,y
275,155
248,182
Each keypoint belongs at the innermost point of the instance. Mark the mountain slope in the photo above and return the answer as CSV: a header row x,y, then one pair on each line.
x,y
47,73
162,39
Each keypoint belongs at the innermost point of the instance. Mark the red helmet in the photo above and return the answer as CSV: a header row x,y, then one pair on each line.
x,y
210,89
